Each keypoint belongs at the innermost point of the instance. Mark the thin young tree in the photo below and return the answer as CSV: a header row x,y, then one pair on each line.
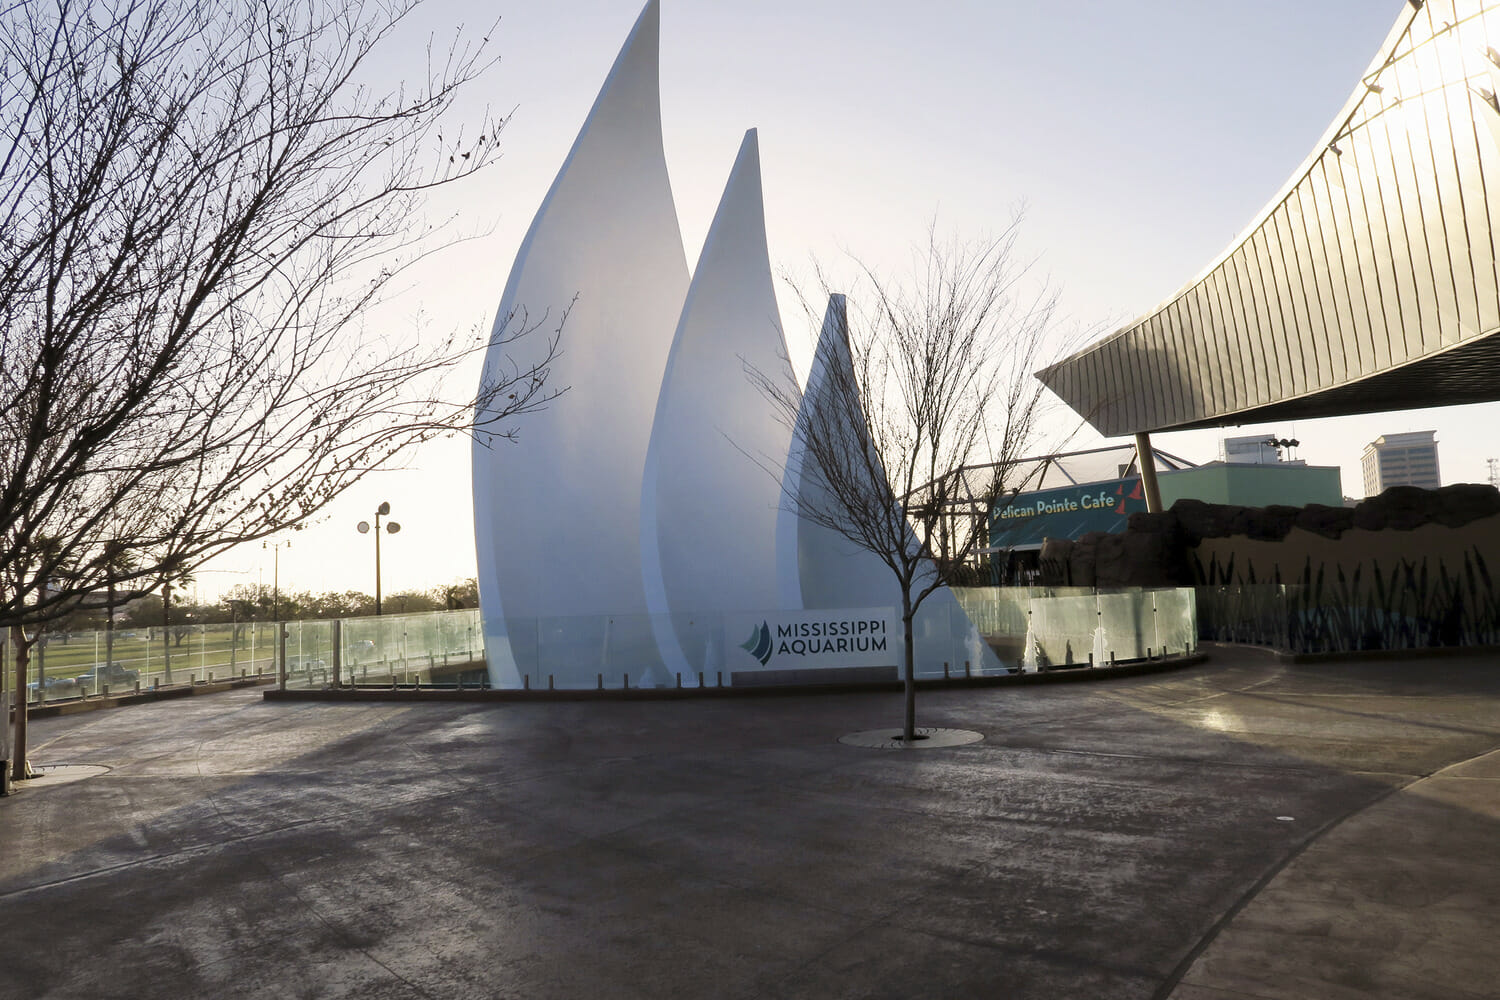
x,y
201,201
926,381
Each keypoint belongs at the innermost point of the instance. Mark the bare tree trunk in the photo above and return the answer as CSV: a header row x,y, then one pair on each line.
x,y
909,732
4,721
166,631
109,624
939,380
18,747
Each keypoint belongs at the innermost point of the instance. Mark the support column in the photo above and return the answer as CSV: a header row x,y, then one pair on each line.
x,y
1147,462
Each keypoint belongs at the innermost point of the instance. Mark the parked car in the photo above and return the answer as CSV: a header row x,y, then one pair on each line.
x,y
54,687
112,674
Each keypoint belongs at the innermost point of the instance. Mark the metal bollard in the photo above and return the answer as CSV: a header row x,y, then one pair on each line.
x,y
526,682
601,682
679,678
550,685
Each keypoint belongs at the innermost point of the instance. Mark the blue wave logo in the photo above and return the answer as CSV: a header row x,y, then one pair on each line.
x,y
759,643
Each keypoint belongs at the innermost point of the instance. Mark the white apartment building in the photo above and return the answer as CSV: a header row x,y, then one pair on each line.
x,y
1401,460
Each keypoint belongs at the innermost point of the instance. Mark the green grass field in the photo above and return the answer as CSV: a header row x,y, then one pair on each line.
x,y
393,649
194,655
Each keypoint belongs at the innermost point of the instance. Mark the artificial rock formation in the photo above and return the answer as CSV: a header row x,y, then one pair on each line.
x,y
1162,550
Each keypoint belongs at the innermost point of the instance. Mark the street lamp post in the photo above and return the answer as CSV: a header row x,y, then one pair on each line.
x,y
390,526
276,576
278,646
1277,444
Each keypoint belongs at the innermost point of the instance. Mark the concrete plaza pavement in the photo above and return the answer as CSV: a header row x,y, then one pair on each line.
x,y
1240,828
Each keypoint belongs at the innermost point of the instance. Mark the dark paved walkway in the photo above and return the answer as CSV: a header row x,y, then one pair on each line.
x,y
1237,829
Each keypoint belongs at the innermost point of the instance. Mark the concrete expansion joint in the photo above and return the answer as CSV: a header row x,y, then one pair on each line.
x,y
1170,984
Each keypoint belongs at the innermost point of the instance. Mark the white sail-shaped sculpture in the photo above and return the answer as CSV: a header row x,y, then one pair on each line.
x,y
818,567
557,513
708,501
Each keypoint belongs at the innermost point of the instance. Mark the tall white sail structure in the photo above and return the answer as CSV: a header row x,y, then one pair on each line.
x,y
708,501
636,511
817,567
557,513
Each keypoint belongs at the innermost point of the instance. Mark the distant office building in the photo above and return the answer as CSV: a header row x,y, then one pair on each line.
x,y
1401,460
1252,449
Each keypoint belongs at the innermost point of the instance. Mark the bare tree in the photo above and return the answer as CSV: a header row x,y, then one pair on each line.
x,y
200,203
924,382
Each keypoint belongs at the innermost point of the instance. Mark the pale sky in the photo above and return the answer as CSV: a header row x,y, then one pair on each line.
x,y
1141,136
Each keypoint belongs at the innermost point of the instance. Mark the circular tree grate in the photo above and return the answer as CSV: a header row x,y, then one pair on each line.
x,y
927,738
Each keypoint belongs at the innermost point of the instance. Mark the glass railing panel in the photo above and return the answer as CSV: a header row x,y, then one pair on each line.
x,y
1043,627
568,653
1176,620
309,654
1126,630
1062,631
371,652
609,651
629,648
935,647
701,640
1254,614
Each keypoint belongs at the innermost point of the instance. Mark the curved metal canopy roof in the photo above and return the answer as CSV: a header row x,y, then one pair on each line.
x,y
1370,282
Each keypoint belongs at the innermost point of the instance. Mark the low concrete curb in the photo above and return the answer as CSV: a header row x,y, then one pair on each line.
x,y
94,703
421,694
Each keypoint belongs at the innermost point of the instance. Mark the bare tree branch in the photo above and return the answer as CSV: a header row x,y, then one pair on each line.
x,y
936,377
200,203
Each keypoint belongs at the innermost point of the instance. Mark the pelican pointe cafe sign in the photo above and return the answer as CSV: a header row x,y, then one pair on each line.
x,y
1067,512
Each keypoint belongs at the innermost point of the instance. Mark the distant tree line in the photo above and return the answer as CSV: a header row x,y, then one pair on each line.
x,y
253,603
